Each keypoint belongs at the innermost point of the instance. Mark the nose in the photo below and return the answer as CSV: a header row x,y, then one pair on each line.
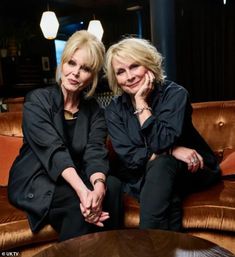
x,y
130,75
76,71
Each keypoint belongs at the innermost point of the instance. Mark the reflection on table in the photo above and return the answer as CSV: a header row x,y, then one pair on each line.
x,y
135,243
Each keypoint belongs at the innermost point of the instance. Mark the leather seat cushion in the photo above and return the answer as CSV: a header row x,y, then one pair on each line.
x,y
9,149
213,208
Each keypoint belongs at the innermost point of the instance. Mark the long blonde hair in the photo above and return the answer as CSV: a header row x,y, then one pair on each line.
x,y
139,50
95,55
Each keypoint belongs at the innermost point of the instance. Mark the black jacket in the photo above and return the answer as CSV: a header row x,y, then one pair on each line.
x,y
46,153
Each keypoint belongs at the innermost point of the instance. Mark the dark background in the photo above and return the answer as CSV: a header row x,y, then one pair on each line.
x,y
204,40
205,43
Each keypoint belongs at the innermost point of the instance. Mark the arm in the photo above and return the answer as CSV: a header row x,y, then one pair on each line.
x,y
164,127
190,156
42,135
95,157
96,166
160,131
132,155
161,126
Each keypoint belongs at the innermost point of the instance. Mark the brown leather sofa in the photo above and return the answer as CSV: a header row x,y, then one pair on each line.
x,y
209,214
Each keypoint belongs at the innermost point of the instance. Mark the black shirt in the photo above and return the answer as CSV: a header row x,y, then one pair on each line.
x,y
169,125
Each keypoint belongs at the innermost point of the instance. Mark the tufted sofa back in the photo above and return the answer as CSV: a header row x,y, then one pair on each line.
x,y
215,121
10,142
10,124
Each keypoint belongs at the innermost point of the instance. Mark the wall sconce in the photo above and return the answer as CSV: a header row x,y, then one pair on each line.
x,y
49,25
96,28
224,1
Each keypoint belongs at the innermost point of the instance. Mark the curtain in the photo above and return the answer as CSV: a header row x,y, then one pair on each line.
x,y
205,48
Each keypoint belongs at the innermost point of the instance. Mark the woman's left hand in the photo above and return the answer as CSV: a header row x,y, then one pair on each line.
x,y
96,219
94,214
190,156
96,197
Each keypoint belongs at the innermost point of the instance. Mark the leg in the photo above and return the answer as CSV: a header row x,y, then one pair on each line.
x,y
192,182
113,203
175,212
156,194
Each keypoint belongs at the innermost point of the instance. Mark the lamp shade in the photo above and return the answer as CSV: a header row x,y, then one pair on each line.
x,y
96,29
49,25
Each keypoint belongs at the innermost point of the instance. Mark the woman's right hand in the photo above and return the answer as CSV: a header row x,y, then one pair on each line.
x,y
145,89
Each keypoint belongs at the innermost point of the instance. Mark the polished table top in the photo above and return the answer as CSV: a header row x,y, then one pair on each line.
x,y
135,243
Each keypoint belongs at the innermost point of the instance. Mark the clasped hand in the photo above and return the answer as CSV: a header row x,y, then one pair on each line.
x,y
91,206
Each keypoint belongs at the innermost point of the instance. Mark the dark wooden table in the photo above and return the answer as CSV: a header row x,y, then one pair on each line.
x,y
135,243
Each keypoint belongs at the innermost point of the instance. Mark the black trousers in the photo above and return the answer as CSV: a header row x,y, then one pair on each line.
x,y
165,183
65,215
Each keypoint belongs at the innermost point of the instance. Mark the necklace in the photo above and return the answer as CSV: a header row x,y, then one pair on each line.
x,y
69,115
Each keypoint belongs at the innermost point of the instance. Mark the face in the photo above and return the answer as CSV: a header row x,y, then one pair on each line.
x,y
129,74
76,75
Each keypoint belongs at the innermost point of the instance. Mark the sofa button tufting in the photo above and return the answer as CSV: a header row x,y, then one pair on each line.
x,y
30,195
221,123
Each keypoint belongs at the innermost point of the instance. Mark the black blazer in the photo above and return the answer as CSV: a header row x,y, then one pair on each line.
x,y
45,152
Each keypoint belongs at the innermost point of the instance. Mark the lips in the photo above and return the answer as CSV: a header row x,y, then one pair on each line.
x,y
133,85
73,82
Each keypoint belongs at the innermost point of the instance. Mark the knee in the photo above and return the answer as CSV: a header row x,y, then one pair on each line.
x,y
114,181
163,160
163,164
113,184
113,198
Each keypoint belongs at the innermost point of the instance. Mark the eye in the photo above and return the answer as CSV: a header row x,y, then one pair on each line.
x,y
134,66
71,62
119,72
86,68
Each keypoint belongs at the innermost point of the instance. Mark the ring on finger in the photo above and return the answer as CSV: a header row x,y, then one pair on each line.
x,y
91,214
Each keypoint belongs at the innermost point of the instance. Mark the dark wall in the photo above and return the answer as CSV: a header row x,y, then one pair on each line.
x,y
205,48
204,44
32,65
23,71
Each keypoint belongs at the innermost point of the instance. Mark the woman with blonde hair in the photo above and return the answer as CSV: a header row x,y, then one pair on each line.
x,y
161,155
60,175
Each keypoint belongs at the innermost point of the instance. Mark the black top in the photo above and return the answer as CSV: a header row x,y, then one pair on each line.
x,y
49,148
169,125
69,127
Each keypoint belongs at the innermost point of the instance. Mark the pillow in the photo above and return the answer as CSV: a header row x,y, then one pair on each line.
x,y
9,149
227,166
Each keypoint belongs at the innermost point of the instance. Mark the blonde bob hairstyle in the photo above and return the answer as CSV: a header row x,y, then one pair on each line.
x,y
140,51
95,55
